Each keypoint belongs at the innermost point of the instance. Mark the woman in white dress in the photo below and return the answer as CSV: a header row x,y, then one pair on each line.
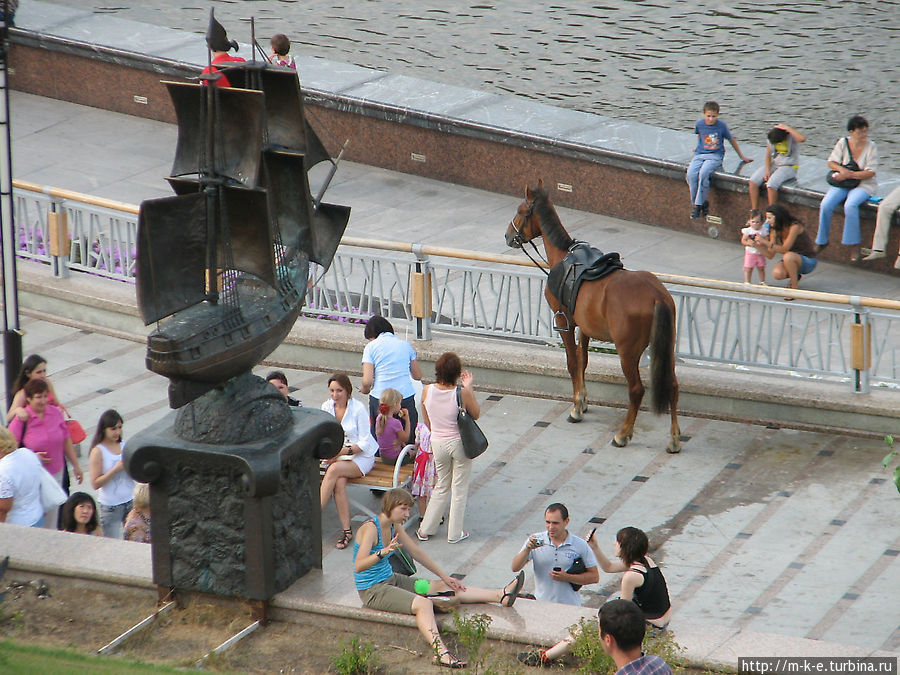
x,y
358,452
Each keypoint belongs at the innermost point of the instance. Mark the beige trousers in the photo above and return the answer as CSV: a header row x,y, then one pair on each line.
x,y
454,471
883,219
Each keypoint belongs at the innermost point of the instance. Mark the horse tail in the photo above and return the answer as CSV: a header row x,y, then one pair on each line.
x,y
662,357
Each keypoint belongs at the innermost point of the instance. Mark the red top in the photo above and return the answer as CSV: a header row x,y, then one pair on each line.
x,y
222,58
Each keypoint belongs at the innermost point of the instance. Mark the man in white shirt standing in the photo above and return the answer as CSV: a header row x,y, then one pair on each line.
x,y
553,553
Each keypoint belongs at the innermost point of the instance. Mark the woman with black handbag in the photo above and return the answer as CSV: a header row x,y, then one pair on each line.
x,y
851,175
441,410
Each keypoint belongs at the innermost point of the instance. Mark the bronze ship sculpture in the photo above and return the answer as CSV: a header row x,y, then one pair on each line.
x,y
223,265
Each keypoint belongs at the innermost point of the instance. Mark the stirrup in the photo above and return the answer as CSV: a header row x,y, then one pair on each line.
x,y
566,317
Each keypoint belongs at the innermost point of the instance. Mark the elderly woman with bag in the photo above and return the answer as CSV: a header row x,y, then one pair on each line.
x,y
454,469
852,164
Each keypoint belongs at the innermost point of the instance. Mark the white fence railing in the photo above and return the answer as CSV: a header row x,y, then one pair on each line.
x,y
718,322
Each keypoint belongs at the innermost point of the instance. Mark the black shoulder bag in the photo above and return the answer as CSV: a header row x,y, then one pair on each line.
x,y
474,441
847,183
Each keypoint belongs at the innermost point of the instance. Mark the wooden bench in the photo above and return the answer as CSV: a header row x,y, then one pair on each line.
x,y
383,477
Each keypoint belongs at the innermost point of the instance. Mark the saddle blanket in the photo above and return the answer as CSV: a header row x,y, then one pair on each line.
x,y
582,263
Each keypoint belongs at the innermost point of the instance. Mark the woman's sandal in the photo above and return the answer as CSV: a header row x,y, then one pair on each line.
x,y
519,581
453,662
344,541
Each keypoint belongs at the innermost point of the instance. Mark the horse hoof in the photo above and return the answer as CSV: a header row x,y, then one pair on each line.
x,y
673,448
573,419
615,442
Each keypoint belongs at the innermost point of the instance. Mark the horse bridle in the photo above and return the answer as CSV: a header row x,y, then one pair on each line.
x,y
520,240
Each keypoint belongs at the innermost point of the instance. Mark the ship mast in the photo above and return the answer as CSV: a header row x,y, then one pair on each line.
x,y
211,184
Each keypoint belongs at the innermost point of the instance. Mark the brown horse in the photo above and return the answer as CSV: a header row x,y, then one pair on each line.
x,y
630,309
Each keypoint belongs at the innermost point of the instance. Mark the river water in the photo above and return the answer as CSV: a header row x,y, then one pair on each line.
x,y
809,63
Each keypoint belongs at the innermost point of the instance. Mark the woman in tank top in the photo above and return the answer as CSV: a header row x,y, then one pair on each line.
x,y
381,588
789,238
108,477
454,469
643,581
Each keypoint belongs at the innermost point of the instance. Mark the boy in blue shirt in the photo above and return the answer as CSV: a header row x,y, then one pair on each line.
x,y
708,155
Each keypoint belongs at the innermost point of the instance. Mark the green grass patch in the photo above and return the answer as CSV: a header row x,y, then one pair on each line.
x,y
29,659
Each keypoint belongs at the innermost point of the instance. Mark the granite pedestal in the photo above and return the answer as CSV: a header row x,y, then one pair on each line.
x,y
235,518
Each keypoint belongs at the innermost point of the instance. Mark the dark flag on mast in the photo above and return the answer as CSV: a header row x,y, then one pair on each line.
x,y
216,37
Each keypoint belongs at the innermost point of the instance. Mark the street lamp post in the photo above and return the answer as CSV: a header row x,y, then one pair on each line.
x,y
12,334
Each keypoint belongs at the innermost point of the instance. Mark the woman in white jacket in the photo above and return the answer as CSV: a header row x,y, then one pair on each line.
x,y
358,451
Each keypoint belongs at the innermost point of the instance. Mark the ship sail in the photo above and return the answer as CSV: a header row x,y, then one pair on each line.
x,y
173,278
238,134
316,231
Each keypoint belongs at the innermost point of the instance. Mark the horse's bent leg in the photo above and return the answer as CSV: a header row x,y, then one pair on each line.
x,y
576,373
674,446
629,363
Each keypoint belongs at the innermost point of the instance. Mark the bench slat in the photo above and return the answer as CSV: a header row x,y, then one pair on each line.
x,y
382,475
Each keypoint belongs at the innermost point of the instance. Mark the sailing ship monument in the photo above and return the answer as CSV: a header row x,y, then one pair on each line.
x,y
223,267
223,264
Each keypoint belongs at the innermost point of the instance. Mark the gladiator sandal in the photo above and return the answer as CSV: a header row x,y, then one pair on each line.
x,y
344,541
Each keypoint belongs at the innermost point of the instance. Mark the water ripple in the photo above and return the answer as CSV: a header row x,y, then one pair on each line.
x,y
811,63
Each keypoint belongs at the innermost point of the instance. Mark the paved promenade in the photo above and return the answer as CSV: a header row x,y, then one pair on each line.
x,y
773,541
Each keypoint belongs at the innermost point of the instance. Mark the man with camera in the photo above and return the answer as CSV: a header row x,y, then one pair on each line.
x,y
563,563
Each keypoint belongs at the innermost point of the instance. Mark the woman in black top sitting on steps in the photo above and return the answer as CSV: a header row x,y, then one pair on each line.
x,y
643,581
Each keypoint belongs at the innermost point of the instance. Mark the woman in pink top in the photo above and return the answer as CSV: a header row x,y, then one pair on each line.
x,y
454,469
45,433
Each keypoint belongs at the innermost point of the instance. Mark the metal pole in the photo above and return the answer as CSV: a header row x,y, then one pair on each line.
x,y
861,346
422,303
12,335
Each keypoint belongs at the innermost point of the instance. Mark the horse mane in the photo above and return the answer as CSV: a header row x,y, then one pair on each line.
x,y
551,226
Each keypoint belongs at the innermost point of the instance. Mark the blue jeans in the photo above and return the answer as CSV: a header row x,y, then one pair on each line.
x,y
852,199
700,169
112,519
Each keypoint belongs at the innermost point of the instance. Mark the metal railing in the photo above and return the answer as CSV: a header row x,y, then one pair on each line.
x,y
819,334
93,235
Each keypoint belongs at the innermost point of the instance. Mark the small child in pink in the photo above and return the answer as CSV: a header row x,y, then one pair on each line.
x,y
424,473
281,45
391,427
755,231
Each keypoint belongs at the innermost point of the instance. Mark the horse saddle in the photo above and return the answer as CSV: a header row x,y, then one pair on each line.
x,y
582,263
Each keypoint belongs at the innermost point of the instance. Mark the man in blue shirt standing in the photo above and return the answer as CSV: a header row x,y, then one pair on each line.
x,y
708,155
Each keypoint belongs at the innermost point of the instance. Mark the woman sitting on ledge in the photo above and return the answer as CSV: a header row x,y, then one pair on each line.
x,y
380,588
853,162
